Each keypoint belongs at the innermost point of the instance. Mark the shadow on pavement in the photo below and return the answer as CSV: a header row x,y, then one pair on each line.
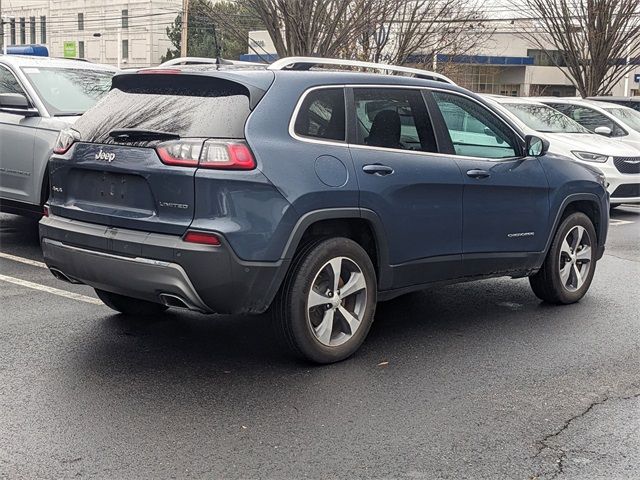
x,y
18,230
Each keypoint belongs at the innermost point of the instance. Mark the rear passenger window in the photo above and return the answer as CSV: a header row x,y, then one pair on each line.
x,y
322,115
393,118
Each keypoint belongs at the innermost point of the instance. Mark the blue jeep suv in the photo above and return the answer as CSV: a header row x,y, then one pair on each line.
x,y
315,193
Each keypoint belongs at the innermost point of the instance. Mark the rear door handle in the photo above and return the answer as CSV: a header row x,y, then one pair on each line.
x,y
377,169
478,174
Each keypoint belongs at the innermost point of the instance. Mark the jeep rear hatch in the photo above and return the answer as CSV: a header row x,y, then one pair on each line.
x,y
130,161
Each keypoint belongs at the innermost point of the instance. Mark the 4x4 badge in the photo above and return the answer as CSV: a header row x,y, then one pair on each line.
x,y
109,157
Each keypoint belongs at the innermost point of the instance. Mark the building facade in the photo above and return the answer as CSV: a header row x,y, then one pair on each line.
x,y
503,63
129,32
507,64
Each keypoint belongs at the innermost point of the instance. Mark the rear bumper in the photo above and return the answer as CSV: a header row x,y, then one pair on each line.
x,y
158,268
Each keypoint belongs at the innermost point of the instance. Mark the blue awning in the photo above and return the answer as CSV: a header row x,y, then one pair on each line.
x,y
264,57
473,59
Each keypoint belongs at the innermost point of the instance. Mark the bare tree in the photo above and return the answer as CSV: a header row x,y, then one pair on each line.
x,y
318,27
425,27
594,38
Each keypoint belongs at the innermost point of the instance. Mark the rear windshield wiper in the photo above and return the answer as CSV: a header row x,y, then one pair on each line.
x,y
133,134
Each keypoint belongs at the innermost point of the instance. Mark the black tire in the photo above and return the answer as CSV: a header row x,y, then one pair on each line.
x,y
547,283
295,320
129,305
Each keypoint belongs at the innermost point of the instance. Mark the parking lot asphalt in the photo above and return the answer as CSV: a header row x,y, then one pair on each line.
x,y
471,381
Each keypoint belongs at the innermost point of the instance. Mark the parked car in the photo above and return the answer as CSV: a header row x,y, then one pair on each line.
x,y
596,117
626,117
617,161
631,102
39,96
313,192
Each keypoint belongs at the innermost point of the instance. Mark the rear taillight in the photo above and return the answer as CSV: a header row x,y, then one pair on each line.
x,y
205,238
183,153
214,154
45,211
66,138
229,155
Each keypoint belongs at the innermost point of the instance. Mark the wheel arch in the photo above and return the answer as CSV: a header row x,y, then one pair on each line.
x,y
360,225
586,203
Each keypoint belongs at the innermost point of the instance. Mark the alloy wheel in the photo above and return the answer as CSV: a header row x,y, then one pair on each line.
x,y
575,258
337,301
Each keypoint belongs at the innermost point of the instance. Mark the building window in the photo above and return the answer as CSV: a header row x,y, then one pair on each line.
x,y
125,18
23,33
43,29
547,58
125,49
12,30
32,30
81,21
80,49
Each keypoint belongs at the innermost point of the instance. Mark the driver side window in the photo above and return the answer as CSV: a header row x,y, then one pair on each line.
x,y
590,118
8,82
474,131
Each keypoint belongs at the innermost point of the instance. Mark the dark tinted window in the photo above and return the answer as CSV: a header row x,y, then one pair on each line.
x,y
189,106
474,130
393,118
8,83
322,115
589,118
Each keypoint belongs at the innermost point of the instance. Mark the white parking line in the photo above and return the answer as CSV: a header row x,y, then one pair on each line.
x,y
55,291
28,261
614,222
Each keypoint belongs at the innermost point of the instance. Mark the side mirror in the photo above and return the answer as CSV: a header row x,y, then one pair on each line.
x,y
536,146
605,131
18,104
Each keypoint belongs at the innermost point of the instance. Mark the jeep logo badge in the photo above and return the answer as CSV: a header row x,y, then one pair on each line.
x,y
108,157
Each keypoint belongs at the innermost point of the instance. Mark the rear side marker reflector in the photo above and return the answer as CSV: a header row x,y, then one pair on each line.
x,y
202,237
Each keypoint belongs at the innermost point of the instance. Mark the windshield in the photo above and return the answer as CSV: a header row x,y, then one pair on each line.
x,y
627,115
67,91
544,119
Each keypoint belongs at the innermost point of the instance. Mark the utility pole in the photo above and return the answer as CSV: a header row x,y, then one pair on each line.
x,y
184,37
2,44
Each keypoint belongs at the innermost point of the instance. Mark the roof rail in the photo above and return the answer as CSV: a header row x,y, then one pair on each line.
x,y
305,63
205,60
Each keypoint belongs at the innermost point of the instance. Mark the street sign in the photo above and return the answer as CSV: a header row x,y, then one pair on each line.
x,y
69,50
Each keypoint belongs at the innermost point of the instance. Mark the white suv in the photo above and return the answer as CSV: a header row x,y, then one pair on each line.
x,y
39,96
606,119
619,162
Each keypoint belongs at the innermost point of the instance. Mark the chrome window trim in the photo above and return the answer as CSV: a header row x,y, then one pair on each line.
x,y
302,98
296,111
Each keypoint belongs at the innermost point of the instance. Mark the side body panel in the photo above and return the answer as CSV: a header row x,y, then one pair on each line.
x,y
506,215
296,168
17,136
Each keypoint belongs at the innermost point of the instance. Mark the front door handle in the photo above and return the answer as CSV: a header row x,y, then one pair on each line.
x,y
478,174
377,169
